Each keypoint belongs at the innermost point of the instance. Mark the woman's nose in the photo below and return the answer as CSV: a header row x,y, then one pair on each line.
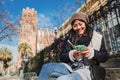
x,y
78,27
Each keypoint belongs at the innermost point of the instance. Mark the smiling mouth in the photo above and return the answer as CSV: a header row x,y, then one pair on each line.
x,y
80,31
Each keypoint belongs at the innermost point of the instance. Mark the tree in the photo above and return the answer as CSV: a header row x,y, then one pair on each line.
x,y
5,57
48,54
7,26
25,50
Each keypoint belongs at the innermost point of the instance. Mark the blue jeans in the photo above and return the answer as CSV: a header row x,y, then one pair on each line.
x,y
57,71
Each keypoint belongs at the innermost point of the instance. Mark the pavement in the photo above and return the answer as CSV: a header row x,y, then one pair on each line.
x,y
8,77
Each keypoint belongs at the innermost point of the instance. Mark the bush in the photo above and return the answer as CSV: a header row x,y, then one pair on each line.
x,y
37,61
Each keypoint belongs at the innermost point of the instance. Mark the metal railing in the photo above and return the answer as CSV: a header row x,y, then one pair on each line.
x,y
30,76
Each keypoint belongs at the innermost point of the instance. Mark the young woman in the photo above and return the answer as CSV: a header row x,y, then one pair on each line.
x,y
75,63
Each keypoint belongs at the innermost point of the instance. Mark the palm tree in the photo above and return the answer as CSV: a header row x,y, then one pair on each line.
x,y
5,57
25,52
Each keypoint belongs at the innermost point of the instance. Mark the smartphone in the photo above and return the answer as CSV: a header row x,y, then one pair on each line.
x,y
80,47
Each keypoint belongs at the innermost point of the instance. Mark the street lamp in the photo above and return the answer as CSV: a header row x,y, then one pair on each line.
x,y
55,32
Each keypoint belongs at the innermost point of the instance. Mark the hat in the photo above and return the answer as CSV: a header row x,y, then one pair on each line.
x,y
79,15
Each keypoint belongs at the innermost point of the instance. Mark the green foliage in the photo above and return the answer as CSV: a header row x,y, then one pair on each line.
x,y
6,65
25,51
40,59
5,54
84,9
24,48
5,57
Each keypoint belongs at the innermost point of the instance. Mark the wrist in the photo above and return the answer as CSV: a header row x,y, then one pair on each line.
x,y
71,53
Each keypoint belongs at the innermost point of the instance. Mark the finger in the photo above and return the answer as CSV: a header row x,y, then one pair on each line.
x,y
87,51
86,48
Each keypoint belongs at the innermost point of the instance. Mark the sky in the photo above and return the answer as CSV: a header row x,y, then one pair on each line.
x,y
47,11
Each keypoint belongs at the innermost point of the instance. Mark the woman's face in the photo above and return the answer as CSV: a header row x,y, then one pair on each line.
x,y
79,27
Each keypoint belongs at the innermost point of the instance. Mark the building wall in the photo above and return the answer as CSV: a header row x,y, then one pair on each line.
x,y
106,20
45,38
28,28
29,33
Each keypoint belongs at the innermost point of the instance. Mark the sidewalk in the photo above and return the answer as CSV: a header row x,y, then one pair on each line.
x,y
8,77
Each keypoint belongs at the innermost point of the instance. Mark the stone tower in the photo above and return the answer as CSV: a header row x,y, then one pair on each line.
x,y
28,29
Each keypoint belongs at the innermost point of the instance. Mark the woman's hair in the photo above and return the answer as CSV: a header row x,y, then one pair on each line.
x,y
75,38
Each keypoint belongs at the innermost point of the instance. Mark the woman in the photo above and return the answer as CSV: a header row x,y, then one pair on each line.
x,y
74,63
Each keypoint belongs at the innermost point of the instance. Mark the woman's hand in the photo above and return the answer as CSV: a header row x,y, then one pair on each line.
x,y
85,52
78,54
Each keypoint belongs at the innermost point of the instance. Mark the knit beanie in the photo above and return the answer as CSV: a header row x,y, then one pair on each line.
x,y
79,15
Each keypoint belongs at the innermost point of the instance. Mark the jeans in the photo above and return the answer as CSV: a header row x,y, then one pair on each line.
x,y
57,71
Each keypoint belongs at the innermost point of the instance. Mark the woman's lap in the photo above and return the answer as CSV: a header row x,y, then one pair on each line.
x,y
57,71
72,76
52,70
